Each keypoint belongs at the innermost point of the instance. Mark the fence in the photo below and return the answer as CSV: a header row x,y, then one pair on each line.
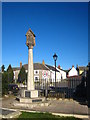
x,y
63,89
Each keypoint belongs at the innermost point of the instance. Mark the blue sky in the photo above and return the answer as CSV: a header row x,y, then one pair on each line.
x,y
60,28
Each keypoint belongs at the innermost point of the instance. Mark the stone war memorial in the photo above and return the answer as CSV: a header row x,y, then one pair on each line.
x,y
30,42
30,95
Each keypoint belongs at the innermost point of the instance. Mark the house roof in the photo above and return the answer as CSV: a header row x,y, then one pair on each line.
x,y
51,67
16,68
60,69
37,66
83,68
67,70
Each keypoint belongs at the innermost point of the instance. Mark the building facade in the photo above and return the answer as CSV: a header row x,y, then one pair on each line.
x,y
42,72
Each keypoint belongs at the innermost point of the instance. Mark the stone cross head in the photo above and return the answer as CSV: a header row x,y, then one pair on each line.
x,y
30,38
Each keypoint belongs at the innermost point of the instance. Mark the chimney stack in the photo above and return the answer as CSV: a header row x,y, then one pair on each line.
x,y
59,66
20,65
43,62
72,66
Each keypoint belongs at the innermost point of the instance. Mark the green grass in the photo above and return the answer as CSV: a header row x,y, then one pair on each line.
x,y
41,116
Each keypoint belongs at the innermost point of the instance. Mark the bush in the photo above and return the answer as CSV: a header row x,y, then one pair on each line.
x,y
4,83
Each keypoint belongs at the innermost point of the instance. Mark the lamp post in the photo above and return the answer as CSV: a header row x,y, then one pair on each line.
x,y
55,58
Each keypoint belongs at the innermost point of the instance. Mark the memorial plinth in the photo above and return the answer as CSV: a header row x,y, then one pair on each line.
x,y
29,93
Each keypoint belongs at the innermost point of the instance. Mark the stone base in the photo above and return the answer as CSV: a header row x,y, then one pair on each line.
x,y
30,103
30,100
29,94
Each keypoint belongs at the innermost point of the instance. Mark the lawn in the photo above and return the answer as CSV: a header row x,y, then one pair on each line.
x,y
41,116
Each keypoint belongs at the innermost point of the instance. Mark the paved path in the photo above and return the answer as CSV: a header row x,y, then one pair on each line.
x,y
7,102
56,106
63,106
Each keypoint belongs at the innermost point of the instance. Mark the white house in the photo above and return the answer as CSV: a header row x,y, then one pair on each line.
x,y
52,73
72,72
62,73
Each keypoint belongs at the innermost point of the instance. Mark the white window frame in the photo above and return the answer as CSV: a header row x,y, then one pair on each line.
x,y
36,71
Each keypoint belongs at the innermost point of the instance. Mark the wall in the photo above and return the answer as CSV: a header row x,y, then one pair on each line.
x,y
62,73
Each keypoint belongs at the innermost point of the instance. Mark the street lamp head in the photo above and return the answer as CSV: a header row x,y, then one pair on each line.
x,y
55,57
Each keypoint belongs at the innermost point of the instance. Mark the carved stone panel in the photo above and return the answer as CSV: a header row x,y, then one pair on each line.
x,y
30,38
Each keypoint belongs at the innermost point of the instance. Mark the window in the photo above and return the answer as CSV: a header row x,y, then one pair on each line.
x,y
36,71
36,78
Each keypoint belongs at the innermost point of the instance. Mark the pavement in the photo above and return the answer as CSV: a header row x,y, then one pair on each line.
x,y
8,113
62,106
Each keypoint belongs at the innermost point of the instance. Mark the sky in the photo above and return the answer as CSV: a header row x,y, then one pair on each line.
x,y
60,28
